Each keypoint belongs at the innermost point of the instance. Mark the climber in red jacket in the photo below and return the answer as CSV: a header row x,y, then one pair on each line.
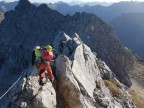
x,y
45,65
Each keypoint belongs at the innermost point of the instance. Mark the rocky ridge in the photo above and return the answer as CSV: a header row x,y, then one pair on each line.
x,y
28,26
80,84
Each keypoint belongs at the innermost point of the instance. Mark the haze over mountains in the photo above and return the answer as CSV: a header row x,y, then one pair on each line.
x,y
80,3
107,13
130,29
6,6
121,16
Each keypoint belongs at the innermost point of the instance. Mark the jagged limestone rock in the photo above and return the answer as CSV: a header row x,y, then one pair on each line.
x,y
80,83
29,94
105,71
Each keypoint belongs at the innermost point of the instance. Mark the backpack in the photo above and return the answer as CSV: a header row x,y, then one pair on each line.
x,y
38,53
47,55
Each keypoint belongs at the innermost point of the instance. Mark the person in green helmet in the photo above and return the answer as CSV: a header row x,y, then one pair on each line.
x,y
45,64
49,48
42,59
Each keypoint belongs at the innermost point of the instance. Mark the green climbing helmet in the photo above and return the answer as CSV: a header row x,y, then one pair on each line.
x,y
37,51
49,48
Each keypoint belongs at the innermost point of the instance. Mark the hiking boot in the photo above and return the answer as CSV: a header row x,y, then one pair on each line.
x,y
42,81
52,80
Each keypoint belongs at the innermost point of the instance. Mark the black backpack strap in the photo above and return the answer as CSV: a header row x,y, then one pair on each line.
x,y
33,58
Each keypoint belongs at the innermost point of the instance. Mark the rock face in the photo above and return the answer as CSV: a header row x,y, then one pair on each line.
x,y
29,94
28,26
80,84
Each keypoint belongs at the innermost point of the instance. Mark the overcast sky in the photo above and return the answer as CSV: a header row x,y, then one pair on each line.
x,y
74,0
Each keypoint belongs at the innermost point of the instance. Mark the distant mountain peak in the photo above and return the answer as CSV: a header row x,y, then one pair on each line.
x,y
21,2
60,2
24,6
44,7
